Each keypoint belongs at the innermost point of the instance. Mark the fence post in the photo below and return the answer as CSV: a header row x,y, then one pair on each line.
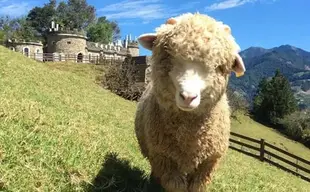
x,y
262,149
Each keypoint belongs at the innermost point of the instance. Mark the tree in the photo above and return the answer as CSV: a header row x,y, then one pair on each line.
x,y
102,31
17,28
24,31
70,14
40,18
237,102
116,30
274,99
76,14
7,27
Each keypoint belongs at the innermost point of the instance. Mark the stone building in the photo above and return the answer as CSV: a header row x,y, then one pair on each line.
x,y
64,43
143,65
29,49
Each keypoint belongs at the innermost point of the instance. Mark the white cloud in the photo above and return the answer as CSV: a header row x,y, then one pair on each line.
x,y
228,4
13,9
146,10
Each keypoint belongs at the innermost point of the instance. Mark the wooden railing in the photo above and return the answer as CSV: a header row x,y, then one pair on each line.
x,y
52,57
271,154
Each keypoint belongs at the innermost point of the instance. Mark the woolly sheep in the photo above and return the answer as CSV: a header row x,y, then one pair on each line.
x,y
183,118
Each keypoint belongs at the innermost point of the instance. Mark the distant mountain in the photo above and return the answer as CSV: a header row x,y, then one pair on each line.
x,y
253,52
293,62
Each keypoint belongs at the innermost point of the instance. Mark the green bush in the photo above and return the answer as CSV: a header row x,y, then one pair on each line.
x,y
297,126
237,102
120,78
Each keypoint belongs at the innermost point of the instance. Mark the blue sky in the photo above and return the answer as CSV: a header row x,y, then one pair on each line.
x,y
264,23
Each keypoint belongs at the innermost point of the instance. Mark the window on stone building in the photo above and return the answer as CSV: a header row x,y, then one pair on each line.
x,y
68,42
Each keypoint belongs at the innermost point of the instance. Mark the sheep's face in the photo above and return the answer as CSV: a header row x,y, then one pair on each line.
x,y
190,79
197,83
194,54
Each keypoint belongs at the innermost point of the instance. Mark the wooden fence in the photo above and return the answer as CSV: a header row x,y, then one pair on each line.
x,y
271,154
78,58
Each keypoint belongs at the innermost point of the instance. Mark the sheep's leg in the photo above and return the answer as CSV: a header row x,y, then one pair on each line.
x,y
166,171
199,180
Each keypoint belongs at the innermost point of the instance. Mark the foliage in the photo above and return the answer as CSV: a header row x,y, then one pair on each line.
x,y
101,31
297,126
7,27
24,31
76,14
40,18
2,37
274,99
16,28
120,78
116,30
73,14
58,129
237,102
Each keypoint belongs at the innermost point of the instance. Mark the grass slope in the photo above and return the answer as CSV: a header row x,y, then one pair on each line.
x,y
60,131
246,126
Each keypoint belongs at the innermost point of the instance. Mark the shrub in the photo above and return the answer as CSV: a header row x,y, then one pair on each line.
x,y
120,78
297,126
237,102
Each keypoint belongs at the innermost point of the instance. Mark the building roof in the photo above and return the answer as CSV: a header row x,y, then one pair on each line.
x,y
105,48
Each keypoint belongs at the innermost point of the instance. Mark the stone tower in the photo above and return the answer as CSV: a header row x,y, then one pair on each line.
x,y
132,46
69,42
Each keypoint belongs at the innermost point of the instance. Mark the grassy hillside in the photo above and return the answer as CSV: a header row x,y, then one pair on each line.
x,y
60,131
246,126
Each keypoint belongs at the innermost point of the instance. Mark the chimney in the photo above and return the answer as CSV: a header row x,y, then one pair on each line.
x,y
126,41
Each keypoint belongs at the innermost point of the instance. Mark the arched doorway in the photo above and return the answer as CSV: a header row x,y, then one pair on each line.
x,y
26,51
80,58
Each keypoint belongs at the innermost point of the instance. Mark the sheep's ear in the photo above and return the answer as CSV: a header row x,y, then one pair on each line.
x,y
227,29
146,40
171,21
238,66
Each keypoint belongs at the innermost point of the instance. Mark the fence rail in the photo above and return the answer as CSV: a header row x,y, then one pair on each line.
x,y
79,58
263,151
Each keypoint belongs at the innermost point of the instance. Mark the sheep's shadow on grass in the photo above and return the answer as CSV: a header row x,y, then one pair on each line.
x,y
116,175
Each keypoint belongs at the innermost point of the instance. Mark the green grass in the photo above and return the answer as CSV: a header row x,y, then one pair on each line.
x,y
246,126
60,131
253,129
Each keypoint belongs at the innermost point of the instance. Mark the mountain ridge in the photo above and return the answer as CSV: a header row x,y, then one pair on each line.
x,y
260,62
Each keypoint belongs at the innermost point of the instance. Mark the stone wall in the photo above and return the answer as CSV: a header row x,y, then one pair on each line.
x,y
29,49
143,64
133,49
70,44
147,71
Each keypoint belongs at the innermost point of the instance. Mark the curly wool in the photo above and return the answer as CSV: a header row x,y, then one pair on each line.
x,y
184,148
